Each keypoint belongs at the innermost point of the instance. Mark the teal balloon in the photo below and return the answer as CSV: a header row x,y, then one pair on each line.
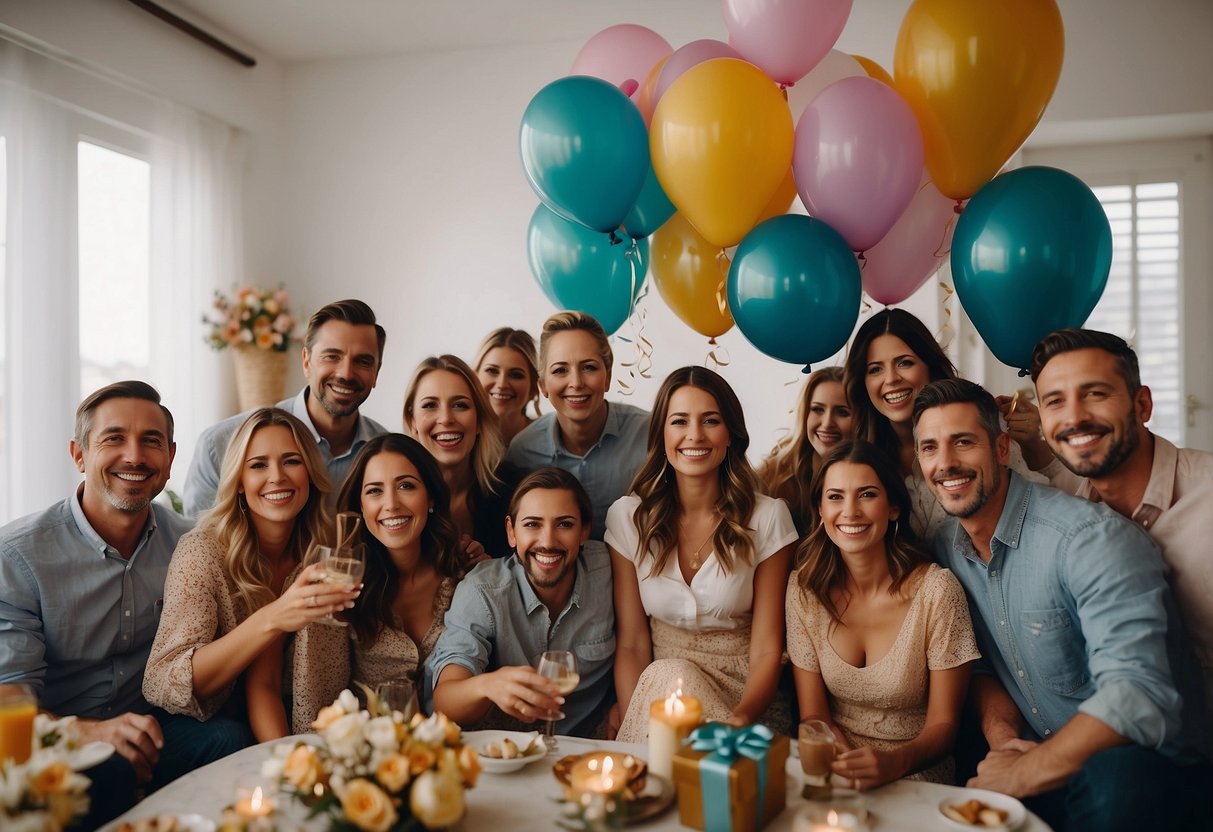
x,y
1030,255
794,289
585,151
651,210
581,269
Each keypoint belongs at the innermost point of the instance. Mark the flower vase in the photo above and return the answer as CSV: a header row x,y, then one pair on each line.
x,y
260,376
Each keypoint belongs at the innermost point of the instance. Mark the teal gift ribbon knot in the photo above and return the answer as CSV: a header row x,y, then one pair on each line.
x,y
725,744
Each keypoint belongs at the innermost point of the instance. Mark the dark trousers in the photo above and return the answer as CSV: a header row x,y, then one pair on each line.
x,y
188,744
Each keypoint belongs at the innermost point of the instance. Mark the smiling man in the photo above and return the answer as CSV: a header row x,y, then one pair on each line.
x,y
1093,412
342,354
1074,617
554,594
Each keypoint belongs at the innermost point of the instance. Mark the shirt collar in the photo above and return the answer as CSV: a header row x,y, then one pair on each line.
x,y
1009,529
1160,490
612,427
298,409
530,601
96,542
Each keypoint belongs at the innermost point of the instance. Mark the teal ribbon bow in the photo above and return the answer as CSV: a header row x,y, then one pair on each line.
x,y
725,744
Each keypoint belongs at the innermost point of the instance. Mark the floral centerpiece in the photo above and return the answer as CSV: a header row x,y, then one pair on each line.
x,y
44,794
375,772
253,317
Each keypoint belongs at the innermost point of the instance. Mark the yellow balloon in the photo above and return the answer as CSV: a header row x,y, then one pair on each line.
x,y
689,277
977,74
781,201
874,70
644,101
721,142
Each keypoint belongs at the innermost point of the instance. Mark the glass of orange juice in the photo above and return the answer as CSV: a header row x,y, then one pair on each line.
x,y
17,708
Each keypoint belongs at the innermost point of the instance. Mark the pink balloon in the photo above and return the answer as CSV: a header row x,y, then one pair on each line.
x,y
914,248
858,159
685,57
622,53
785,38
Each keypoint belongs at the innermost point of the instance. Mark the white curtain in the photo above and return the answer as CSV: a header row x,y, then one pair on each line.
x,y
48,103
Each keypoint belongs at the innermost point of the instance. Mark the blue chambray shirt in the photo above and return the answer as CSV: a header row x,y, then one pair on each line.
x,y
202,480
605,471
77,619
1073,614
496,620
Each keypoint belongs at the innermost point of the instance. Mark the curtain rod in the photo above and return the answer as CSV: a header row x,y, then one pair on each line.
x,y
195,32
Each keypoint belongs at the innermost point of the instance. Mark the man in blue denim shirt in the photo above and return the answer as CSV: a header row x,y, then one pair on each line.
x,y
554,594
1073,615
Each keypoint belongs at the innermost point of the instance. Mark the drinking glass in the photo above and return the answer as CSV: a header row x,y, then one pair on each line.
x,y
398,695
561,668
343,567
18,705
816,745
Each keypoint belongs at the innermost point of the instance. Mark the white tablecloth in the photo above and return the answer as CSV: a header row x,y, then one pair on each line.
x,y
525,799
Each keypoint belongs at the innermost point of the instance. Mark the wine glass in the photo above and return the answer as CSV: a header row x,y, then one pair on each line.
x,y
561,668
398,695
343,567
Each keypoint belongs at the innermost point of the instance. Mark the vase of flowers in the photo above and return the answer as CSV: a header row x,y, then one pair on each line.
x,y
44,792
257,324
376,772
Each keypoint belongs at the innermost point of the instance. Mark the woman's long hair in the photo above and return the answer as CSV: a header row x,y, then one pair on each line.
x,y
521,342
488,449
788,469
822,570
656,485
439,537
229,522
870,424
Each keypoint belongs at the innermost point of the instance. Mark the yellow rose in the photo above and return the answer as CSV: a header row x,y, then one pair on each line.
x,y
469,762
51,780
393,773
421,758
327,716
367,806
302,769
436,800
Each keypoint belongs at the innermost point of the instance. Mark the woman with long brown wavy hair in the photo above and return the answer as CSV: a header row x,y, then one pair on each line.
x,y
700,562
879,636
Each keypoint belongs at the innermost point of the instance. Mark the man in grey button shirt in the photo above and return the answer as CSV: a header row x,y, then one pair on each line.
x,y
342,354
81,589
554,594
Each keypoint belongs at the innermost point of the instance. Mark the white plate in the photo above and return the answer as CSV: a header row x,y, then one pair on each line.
x,y
1016,813
479,740
89,755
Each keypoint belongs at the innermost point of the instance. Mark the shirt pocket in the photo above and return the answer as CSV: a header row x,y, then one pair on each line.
x,y
1055,650
594,652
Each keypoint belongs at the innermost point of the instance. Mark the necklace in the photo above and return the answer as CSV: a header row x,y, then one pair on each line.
x,y
696,556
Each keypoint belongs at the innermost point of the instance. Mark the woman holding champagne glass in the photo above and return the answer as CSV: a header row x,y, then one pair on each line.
x,y
226,597
413,561
879,636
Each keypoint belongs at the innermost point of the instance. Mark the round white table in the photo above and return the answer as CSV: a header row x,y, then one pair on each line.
x,y
526,799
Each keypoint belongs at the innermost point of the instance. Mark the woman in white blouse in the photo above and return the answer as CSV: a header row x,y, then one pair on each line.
x,y
701,561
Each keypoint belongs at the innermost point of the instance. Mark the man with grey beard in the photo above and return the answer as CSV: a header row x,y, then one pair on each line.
x,y
81,589
342,354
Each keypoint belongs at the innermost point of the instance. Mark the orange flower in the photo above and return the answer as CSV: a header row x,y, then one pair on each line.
x,y
470,765
51,780
303,769
393,773
367,806
327,716
421,758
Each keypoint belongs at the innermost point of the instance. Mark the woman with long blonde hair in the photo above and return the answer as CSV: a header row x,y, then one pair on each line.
x,y
823,421
505,365
700,563
447,410
224,601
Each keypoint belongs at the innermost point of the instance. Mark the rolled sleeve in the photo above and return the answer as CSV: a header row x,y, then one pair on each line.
x,y
1120,590
22,642
469,633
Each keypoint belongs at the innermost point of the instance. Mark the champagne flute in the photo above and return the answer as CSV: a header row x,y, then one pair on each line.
x,y
343,567
561,668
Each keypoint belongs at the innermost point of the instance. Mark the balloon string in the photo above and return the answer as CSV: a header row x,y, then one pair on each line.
x,y
940,251
718,356
642,365
946,332
722,302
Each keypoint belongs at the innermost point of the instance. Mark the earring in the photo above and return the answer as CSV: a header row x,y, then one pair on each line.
x,y
894,528
242,503
431,509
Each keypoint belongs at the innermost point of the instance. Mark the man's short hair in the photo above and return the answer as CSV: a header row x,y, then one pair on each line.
x,y
350,311
959,391
118,390
553,479
1073,338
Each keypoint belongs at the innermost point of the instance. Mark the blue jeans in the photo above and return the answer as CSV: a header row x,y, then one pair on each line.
x,y
1129,788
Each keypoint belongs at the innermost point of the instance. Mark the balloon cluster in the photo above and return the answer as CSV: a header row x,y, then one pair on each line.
x,y
705,147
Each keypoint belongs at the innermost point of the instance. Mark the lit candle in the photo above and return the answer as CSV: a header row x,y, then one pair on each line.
x,y
605,774
253,804
671,720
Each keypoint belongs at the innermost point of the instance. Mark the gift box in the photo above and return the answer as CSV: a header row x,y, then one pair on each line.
x,y
731,779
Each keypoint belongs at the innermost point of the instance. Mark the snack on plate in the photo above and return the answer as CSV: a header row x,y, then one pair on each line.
x,y
507,749
158,823
976,813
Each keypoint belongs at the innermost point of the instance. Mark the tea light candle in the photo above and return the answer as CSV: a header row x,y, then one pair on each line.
x,y
605,774
831,819
671,720
253,804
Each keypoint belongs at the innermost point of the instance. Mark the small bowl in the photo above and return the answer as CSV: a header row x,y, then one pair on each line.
x,y
531,742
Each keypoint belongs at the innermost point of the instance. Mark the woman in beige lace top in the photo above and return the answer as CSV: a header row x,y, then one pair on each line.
x,y
414,561
880,638
223,598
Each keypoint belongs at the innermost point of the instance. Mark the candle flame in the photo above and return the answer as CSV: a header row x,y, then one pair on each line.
x,y
674,704
832,818
255,802
608,782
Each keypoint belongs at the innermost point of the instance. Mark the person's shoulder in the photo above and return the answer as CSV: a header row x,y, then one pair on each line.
x,y
370,428
1193,464
632,419
767,505
530,439
170,523
486,577
596,557
216,436
939,582
199,545
37,522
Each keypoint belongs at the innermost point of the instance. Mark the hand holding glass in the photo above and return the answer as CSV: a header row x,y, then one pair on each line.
x,y
561,668
343,568
816,745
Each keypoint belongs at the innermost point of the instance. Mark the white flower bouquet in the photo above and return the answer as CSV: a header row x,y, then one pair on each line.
x,y
44,794
376,773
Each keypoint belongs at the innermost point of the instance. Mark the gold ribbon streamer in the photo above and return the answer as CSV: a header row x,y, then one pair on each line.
x,y
642,365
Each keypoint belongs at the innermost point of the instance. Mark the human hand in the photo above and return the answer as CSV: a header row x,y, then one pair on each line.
x,y
309,599
1023,425
1004,770
522,693
473,550
137,737
867,768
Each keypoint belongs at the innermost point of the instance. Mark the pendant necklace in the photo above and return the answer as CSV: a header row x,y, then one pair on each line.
x,y
696,557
